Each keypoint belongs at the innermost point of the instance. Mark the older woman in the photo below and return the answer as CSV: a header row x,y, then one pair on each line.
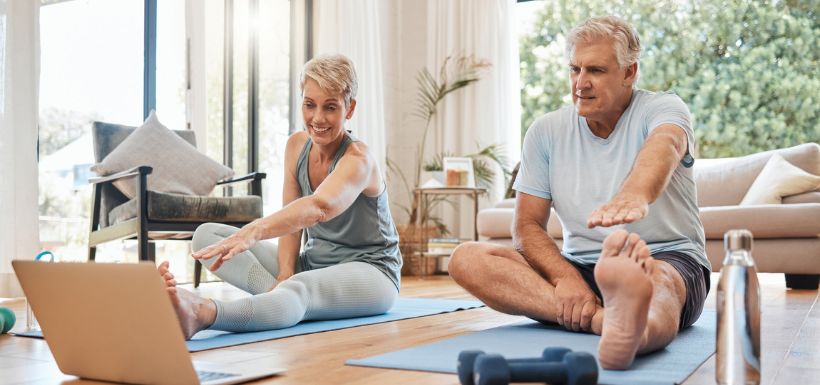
x,y
333,188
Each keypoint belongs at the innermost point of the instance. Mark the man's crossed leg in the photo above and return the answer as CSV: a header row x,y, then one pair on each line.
x,y
645,301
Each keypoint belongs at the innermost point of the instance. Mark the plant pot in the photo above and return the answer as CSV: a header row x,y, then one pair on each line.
x,y
410,243
413,266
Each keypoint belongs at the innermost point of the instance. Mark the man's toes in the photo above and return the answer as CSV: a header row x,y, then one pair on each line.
x,y
629,245
640,251
614,243
648,265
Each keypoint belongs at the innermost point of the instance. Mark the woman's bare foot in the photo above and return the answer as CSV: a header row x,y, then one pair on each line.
x,y
622,274
194,312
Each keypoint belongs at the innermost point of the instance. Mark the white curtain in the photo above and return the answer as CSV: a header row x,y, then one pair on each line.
x,y
488,111
351,28
19,65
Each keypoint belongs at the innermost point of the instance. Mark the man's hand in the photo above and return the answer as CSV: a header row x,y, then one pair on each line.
x,y
576,304
623,208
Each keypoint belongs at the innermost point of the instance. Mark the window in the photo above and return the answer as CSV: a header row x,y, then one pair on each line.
x,y
172,78
746,69
274,99
92,68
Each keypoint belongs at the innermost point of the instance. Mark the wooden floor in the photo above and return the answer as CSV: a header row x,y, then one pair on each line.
x,y
791,342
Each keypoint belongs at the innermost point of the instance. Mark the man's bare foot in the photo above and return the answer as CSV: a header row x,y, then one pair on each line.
x,y
622,274
194,312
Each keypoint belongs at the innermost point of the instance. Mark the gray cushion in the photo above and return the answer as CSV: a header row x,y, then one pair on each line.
x,y
178,166
189,208
107,136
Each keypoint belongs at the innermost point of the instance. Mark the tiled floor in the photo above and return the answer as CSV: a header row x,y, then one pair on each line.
x,y
790,338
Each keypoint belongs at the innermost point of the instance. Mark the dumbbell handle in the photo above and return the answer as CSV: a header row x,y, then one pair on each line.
x,y
554,373
528,360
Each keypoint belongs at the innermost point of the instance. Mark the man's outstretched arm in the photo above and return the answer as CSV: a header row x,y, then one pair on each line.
x,y
663,150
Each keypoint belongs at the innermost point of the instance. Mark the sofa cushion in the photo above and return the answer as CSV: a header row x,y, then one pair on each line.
x,y
495,222
506,203
779,178
192,208
809,197
498,223
178,166
764,221
725,182
778,255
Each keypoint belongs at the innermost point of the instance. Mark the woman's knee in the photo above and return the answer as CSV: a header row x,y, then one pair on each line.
x,y
209,233
386,301
298,284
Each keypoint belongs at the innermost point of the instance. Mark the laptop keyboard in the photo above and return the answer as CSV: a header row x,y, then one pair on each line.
x,y
212,376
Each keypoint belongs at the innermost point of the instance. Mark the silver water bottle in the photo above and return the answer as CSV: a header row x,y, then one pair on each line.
x,y
738,313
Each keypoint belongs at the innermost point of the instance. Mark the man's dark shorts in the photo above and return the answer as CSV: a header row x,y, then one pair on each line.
x,y
695,277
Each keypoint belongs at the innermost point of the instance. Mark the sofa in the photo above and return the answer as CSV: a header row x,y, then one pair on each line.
x,y
786,235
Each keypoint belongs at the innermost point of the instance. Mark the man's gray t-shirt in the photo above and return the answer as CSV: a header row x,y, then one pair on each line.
x,y
564,162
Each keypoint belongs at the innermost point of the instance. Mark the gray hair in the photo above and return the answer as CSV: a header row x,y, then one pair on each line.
x,y
334,73
625,38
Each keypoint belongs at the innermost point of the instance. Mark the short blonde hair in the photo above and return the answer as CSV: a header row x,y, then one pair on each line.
x,y
334,73
625,38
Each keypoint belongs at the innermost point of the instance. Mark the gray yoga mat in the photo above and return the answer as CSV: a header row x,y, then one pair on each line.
x,y
404,308
671,365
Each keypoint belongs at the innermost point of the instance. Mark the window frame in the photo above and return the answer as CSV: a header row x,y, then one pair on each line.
x,y
301,15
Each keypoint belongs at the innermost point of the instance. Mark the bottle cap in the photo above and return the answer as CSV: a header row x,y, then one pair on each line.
x,y
737,240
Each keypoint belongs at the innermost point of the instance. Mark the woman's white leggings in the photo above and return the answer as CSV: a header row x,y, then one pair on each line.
x,y
346,290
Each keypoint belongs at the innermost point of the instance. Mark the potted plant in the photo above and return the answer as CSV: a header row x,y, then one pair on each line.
x,y
456,72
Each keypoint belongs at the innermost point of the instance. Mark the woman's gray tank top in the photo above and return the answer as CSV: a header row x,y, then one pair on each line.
x,y
365,232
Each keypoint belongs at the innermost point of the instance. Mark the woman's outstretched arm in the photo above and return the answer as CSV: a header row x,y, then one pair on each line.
x,y
333,196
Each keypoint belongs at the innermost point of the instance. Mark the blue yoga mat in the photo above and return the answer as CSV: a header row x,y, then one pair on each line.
x,y
671,365
404,308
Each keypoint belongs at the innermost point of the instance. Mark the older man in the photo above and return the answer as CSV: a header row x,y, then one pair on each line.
x,y
616,166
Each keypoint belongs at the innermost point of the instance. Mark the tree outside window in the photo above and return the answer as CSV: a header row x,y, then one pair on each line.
x,y
747,69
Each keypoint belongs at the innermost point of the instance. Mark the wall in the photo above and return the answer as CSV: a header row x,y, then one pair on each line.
x,y
405,52
405,29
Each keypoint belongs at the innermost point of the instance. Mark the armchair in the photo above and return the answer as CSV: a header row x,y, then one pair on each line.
x,y
153,215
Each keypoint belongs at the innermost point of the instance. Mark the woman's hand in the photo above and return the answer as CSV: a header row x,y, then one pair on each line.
x,y
225,249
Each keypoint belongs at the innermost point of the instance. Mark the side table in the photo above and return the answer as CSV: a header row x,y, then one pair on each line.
x,y
421,194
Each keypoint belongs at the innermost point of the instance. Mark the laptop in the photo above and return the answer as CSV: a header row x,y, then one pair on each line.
x,y
115,322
